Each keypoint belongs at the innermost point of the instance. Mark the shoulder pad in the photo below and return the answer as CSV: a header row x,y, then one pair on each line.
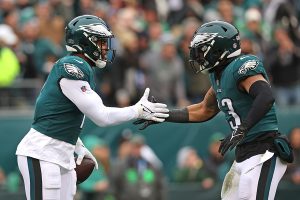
x,y
74,68
247,65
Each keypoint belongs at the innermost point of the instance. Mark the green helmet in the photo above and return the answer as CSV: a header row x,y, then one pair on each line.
x,y
91,36
213,45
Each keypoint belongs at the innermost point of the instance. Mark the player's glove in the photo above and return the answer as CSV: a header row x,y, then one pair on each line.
x,y
82,152
146,123
232,140
151,111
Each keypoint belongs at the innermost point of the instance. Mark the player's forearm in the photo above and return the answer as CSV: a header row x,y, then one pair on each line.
x,y
193,113
112,116
201,113
261,92
101,115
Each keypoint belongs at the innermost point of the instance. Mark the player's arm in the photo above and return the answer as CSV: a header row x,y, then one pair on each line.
x,y
260,90
90,103
200,112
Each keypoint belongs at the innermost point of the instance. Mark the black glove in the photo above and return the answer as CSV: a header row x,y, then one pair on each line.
x,y
232,140
146,123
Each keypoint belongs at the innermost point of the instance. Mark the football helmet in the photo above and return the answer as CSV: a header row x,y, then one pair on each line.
x,y
213,44
91,36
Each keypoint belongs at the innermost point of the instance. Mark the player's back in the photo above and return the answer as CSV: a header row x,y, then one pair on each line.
x,y
236,103
55,115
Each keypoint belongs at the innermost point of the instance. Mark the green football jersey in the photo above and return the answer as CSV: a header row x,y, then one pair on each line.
x,y
236,103
55,115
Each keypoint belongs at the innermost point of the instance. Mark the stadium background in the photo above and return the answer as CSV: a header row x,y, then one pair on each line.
x,y
31,38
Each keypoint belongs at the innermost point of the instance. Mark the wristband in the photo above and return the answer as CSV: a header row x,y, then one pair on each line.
x,y
178,115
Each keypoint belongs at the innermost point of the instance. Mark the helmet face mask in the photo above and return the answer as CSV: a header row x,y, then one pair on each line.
x,y
101,50
213,44
90,36
198,61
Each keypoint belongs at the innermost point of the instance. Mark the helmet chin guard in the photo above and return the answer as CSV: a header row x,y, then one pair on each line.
x,y
100,64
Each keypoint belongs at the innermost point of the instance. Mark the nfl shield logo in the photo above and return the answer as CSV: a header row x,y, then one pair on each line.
x,y
83,89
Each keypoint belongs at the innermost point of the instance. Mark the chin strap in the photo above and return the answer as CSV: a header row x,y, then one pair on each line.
x,y
98,63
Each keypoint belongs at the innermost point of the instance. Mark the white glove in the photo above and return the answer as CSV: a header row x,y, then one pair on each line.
x,y
82,152
151,111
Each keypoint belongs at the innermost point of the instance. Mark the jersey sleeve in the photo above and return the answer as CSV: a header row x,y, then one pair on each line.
x,y
246,66
74,70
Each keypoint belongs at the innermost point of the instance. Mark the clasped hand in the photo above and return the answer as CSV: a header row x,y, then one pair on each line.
x,y
153,111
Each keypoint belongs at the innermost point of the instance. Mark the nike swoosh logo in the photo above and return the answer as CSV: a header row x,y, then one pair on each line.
x,y
146,109
78,61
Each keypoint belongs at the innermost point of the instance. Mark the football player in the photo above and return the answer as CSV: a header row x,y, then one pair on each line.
x,y
240,88
46,153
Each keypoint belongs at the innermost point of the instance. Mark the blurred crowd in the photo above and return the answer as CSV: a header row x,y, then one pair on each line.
x,y
132,170
152,39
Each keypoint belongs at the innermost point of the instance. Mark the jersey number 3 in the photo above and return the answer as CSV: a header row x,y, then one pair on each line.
x,y
236,119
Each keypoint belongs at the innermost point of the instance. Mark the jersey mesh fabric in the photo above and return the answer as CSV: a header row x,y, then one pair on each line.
x,y
236,103
55,115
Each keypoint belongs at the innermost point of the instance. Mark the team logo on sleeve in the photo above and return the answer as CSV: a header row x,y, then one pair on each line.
x,y
248,65
73,70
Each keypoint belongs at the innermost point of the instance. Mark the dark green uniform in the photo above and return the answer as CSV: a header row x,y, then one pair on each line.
x,y
236,103
55,115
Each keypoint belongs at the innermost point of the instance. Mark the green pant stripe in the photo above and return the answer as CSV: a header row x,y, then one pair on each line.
x,y
35,176
270,177
31,178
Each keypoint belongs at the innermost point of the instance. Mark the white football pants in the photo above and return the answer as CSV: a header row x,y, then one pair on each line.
x,y
46,181
256,178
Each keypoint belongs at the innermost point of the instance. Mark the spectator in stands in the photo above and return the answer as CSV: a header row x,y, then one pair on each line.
x,y
147,20
124,146
196,85
14,182
164,72
9,64
284,13
11,18
191,168
135,178
293,170
49,21
226,10
97,185
223,10
130,76
62,9
5,6
2,179
253,29
39,53
217,165
248,46
122,98
284,61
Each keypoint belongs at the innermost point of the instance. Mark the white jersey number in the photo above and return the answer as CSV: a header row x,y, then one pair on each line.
x,y
237,121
